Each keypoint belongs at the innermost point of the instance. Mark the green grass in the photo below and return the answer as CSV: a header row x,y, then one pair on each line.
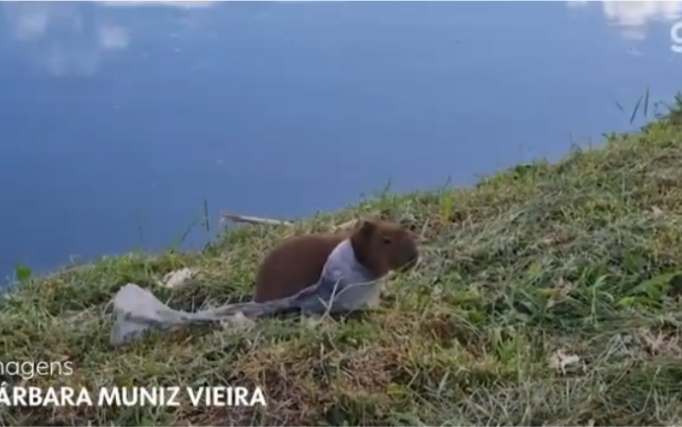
x,y
579,258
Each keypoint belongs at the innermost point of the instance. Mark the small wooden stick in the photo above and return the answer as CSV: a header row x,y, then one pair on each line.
x,y
267,221
344,225
252,219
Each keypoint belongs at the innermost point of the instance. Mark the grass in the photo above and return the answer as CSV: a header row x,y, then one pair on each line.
x,y
548,295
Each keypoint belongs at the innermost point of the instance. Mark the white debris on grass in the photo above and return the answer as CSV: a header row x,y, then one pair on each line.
x,y
560,361
178,278
239,322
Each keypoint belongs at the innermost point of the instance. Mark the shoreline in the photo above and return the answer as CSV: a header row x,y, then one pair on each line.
x,y
540,287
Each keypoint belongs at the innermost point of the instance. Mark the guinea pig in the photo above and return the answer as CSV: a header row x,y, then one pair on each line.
x,y
296,263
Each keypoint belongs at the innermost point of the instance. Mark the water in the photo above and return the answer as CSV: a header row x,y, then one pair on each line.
x,y
118,120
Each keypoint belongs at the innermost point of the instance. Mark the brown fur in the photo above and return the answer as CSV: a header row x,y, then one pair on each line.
x,y
297,262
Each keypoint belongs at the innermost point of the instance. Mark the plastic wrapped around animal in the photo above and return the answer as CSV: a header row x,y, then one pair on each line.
x,y
344,286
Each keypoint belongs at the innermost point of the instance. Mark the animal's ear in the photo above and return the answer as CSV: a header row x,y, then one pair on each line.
x,y
367,227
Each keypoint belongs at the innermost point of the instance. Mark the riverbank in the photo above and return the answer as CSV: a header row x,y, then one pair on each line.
x,y
547,295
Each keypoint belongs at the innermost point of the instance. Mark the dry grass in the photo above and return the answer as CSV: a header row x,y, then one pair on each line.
x,y
547,296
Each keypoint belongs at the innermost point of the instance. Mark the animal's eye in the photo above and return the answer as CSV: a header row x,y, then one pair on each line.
x,y
386,240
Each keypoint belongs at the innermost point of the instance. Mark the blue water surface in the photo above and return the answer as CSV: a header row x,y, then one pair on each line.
x,y
119,119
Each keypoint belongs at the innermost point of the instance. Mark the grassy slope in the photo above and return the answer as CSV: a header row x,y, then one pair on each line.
x,y
573,257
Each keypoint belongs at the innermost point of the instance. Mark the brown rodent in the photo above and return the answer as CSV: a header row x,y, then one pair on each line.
x,y
297,262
